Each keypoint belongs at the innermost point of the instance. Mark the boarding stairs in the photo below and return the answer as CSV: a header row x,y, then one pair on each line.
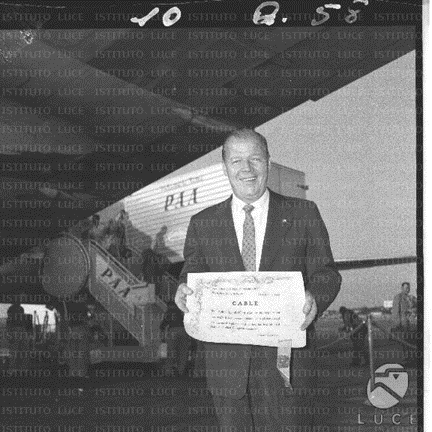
x,y
128,300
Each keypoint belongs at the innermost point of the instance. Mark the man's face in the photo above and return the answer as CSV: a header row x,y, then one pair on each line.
x,y
246,166
405,288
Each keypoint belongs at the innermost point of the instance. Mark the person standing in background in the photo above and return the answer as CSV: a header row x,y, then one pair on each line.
x,y
152,270
18,336
401,311
159,244
78,344
178,341
95,231
359,339
121,228
121,232
111,240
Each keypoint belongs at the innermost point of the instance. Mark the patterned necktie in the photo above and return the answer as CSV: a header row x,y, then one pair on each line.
x,y
248,246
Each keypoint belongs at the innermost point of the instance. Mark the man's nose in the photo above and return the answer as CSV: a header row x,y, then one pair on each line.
x,y
246,165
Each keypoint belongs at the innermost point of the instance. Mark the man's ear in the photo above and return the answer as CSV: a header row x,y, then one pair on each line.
x,y
224,169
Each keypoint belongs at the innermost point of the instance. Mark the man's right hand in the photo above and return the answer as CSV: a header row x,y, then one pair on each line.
x,y
180,298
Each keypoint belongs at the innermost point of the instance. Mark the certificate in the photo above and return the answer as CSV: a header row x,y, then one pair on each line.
x,y
253,308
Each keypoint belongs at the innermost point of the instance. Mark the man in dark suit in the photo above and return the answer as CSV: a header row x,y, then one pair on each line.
x,y
359,339
277,234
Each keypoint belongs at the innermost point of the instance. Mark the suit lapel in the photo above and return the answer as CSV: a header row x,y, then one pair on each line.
x,y
225,213
279,220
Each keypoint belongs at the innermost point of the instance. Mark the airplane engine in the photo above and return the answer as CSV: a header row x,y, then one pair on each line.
x,y
66,266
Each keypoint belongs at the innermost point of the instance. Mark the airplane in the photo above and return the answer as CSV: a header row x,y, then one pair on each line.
x,y
70,151
73,150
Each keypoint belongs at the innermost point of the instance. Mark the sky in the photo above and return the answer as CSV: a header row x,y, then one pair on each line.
x,y
357,149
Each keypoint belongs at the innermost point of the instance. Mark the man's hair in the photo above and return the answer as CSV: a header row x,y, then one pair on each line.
x,y
246,133
406,283
342,309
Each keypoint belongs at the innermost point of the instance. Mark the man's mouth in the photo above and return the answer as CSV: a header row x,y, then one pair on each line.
x,y
248,179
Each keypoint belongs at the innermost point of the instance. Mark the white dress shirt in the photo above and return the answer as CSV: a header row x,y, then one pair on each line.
x,y
259,215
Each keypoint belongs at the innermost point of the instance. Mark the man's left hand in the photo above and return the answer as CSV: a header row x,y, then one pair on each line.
x,y
310,310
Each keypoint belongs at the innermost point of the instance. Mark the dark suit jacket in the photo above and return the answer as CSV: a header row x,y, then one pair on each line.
x,y
296,239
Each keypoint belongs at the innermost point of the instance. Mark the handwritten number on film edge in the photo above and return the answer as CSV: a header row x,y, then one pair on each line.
x,y
320,11
166,19
258,18
352,17
268,19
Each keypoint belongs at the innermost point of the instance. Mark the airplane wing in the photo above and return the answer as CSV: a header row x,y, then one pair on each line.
x,y
21,276
346,264
352,264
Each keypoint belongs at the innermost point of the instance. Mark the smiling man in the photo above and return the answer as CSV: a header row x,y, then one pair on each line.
x,y
246,163
263,231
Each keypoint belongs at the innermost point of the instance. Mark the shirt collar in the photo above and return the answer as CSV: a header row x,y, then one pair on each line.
x,y
260,203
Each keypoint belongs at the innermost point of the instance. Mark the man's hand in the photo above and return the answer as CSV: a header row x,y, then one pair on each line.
x,y
310,310
180,298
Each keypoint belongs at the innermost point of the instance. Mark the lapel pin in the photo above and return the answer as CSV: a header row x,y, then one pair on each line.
x,y
284,221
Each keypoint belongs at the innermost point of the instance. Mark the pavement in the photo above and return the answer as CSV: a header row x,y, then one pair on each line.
x,y
133,397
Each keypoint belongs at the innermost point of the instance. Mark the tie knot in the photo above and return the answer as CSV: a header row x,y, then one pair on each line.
x,y
248,208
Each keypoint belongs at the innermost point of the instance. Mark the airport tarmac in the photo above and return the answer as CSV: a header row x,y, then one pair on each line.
x,y
131,397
